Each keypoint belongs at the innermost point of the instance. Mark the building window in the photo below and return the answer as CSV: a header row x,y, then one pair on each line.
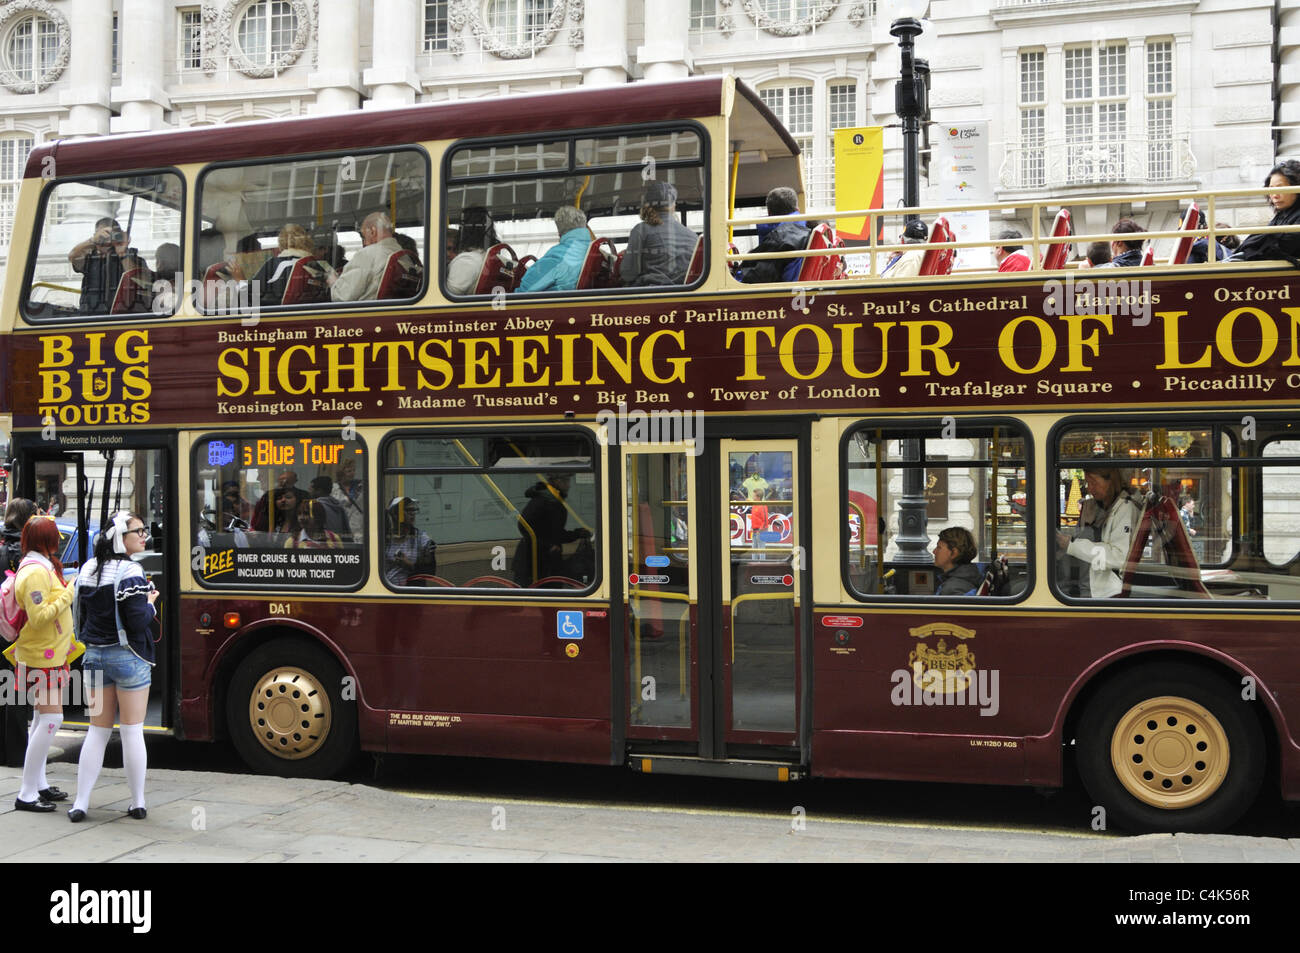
x,y
1096,112
435,25
13,158
189,35
519,22
842,111
266,31
704,16
793,105
1160,110
117,63
787,11
1033,101
31,48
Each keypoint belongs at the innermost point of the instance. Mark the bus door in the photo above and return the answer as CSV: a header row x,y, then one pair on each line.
x,y
712,606
82,488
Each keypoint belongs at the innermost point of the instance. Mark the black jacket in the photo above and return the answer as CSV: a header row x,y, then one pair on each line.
x,y
960,581
545,515
786,236
13,550
1276,246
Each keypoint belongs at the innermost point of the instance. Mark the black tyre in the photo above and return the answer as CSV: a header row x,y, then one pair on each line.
x,y
286,713
1171,748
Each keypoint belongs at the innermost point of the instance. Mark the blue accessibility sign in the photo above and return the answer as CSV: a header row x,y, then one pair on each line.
x,y
568,624
656,561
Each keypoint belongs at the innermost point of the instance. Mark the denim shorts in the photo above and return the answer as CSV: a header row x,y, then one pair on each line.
x,y
116,665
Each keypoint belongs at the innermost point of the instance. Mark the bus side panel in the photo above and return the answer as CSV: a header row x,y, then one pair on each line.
x,y
1002,683
518,690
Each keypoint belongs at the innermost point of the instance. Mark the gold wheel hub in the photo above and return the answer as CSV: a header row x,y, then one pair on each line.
x,y
1170,752
289,713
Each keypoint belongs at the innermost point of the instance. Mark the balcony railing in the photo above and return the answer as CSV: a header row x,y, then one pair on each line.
x,y
1135,160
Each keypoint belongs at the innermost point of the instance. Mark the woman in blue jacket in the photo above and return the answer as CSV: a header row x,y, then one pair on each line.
x,y
560,267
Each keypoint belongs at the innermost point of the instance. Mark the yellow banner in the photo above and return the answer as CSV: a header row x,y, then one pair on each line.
x,y
859,176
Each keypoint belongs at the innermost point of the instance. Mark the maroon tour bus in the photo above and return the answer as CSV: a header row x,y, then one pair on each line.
x,y
458,434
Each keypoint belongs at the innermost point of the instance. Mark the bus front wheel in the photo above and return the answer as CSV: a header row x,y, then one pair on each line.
x,y
286,713
1171,749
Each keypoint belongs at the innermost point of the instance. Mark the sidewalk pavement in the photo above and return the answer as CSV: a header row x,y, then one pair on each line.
x,y
206,817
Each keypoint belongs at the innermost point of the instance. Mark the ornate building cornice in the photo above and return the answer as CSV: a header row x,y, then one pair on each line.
x,y
819,13
219,37
464,13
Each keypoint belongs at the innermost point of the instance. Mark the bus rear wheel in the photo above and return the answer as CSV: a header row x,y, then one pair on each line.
x,y
1171,749
286,713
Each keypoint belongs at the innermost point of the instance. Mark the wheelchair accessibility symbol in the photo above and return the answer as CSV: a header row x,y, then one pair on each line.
x,y
568,625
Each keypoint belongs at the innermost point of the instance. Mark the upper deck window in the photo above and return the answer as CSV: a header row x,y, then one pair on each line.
x,y
107,246
506,204
312,231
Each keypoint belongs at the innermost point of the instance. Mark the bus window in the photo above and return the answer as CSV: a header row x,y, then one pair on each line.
x,y
499,512
501,202
280,511
1208,509
108,246
313,231
971,479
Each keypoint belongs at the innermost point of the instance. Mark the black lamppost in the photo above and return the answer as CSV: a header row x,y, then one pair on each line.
x,y
911,104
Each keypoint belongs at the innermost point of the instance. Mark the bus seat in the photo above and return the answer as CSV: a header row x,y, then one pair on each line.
x,y
1161,523
1055,257
938,261
598,267
424,579
524,264
820,268
306,282
402,276
1184,245
498,269
996,577
134,291
617,276
696,267
1149,254
495,582
557,582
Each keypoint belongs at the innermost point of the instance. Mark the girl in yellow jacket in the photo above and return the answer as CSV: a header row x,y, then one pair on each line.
x,y
41,653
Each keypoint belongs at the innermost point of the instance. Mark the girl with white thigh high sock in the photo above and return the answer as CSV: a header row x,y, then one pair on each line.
x,y
41,653
114,612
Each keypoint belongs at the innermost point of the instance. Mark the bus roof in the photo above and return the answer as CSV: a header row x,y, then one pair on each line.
x,y
584,107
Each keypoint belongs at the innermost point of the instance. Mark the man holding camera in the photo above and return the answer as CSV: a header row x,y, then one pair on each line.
x,y
101,260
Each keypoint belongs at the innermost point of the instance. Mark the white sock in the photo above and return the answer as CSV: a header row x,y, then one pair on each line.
x,y
134,760
38,746
88,765
44,782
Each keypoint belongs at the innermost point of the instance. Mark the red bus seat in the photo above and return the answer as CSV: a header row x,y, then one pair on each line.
x,y
696,267
557,582
1149,254
402,276
618,267
424,579
1184,244
820,267
497,582
598,268
134,291
938,261
498,269
306,282
995,578
524,264
1056,254
1162,524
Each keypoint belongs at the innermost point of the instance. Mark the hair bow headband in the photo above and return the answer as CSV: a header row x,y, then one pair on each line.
x,y
117,532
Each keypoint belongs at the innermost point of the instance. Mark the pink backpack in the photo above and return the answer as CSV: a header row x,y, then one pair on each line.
x,y
12,616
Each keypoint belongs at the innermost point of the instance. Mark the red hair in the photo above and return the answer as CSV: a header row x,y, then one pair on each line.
x,y
41,535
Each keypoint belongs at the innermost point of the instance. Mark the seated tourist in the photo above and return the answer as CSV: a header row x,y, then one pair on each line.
x,y
1286,209
272,279
561,266
1098,254
954,556
775,237
908,264
660,248
1200,250
477,234
359,281
1011,257
1125,254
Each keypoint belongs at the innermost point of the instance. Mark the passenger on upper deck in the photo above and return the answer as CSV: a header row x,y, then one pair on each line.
x,y
477,234
908,264
1124,254
1101,541
560,267
272,279
1011,257
660,247
359,281
101,260
953,557
1286,212
778,236
1098,255
1199,252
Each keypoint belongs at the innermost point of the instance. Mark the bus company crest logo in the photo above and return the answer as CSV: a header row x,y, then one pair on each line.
x,y
943,668
103,378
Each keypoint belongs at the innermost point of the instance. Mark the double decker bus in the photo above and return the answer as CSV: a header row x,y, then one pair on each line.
x,y
683,527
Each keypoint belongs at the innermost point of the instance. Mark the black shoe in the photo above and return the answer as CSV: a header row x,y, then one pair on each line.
x,y
53,794
138,813
76,816
36,807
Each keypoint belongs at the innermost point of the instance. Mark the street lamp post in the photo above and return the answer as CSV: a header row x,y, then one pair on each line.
x,y
910,102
